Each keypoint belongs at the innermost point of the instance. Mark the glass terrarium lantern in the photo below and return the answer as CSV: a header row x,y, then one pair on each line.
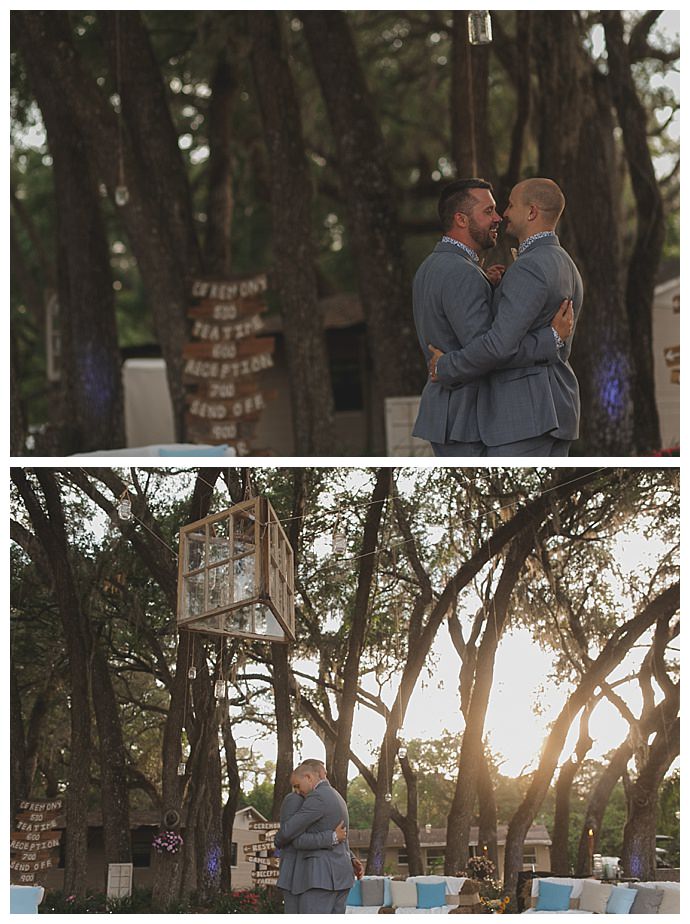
x,y
236,575
479,27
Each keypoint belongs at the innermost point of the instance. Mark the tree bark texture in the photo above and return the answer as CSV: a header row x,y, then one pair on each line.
x,y
469,100
373,227
294,273
166,270
360,621
461,812
49,527
560,861
611,655
638,856
650,233
92,404
221,199
576,150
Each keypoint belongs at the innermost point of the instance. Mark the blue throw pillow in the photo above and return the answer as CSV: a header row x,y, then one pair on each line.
x,y
553,896
431,894
355,896
387,892
620,900
195,451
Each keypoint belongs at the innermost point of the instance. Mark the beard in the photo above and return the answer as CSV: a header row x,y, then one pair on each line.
x,y
482,237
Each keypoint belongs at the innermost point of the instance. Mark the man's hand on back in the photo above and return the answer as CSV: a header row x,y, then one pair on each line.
x,y
564,319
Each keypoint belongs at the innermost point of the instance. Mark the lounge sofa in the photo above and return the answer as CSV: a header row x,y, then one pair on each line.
x,y
414,895
565,895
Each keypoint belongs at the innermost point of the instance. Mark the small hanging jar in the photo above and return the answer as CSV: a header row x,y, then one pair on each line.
x,y
181,768
479,27
339,543
191,673
220,689
124,507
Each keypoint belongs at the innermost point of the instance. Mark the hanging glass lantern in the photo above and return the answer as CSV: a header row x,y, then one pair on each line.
x,y
479,27
339,543
191,673
236,575
387,797
121,195
220,689
402,753
124,508
181,768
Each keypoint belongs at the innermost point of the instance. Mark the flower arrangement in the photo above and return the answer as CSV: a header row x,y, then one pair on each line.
x,y
665,453
495,905
167,842
481,868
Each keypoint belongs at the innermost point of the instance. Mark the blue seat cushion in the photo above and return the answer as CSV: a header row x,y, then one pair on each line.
x,y
355,896
553,896
620,900
431,894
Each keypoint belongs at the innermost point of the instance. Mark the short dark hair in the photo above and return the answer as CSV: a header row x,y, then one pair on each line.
x,y
457,197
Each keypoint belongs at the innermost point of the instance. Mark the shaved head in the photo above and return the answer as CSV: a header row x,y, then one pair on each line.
x,y
543,193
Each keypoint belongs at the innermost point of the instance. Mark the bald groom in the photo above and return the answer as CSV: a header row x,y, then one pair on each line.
x,y
532,410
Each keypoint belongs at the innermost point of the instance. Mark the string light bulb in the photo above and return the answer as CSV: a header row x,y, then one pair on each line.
x,y
191,673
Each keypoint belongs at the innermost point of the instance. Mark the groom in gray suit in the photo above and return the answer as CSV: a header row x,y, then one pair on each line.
x,y
534,410
321,878
322,840
452,298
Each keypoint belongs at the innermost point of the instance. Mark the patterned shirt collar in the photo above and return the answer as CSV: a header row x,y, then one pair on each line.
x,y
472,254
535,237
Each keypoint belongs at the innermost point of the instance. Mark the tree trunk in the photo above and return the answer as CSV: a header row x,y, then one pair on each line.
x,y
576,150
638,856
92,415
165,270
221,200
410,824
469,97
117,835
651,230
19,783
460,816
230,807
373,229
560,854
293,274
488,812
611,655
358,628
50,531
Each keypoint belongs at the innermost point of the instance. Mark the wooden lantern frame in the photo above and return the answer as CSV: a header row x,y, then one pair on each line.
x,y
236,574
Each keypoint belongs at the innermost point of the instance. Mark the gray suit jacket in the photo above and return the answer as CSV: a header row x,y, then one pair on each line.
x,y
321,811
516,404
291,804
451,298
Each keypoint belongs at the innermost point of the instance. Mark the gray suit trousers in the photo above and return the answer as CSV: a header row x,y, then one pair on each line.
x,y
291,902
454,448
535,446
322,901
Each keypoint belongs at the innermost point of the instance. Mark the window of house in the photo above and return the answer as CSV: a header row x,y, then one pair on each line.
x,y
141,847
529,856
345,359
435,858
233,854
402,857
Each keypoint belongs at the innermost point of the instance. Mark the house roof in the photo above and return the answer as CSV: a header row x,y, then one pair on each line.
x,y
339,311
436,837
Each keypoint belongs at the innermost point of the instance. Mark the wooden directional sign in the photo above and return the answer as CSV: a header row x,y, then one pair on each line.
x,y
264,825
672,356
33,842
675,376
265,875
222,358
